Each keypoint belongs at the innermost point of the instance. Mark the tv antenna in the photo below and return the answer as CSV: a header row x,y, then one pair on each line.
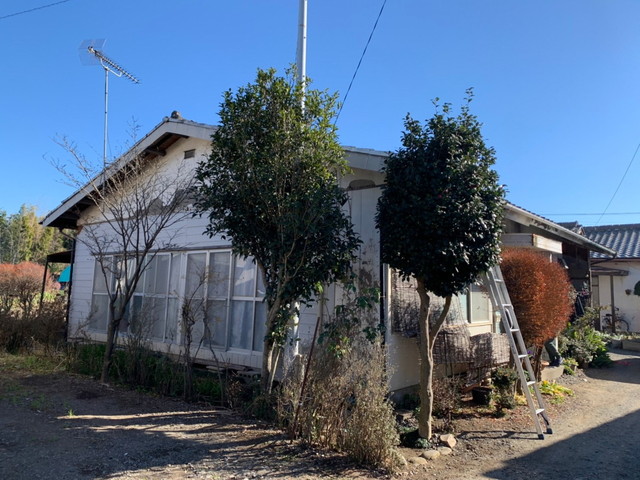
x,y
91,54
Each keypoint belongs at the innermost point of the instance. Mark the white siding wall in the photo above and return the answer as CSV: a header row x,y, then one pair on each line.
x,y
188,235
81,290
629,305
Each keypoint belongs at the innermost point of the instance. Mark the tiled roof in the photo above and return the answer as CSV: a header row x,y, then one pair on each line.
x,y
624,239
575,227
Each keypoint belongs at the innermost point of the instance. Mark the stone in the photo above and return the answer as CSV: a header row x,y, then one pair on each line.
x,y
445,450
403,415
449,440
430,454
417,460
401,460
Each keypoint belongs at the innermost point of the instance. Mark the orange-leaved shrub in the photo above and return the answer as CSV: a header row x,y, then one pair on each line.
x,y
540,292
20,285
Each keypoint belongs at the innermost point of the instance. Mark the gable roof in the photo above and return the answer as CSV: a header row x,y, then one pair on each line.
x,y
156,143
624,239
171,129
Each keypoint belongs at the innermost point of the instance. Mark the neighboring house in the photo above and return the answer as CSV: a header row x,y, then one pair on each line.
x,y
234,293
616,280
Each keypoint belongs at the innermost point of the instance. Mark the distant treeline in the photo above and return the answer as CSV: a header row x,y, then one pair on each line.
x,y
23,239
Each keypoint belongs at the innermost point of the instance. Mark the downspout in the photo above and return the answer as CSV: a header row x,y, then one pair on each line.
x,y
385,301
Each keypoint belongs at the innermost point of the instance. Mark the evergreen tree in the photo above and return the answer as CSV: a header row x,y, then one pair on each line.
x,y
440,218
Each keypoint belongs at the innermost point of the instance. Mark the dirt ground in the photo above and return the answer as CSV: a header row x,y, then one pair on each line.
x,y
59,426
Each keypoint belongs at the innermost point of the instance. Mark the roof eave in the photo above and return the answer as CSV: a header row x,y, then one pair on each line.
x,y
525,217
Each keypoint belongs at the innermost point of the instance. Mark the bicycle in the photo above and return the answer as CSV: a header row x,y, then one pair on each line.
x,y
622,326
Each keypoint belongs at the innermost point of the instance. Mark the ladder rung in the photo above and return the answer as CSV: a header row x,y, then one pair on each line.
x,y
523,355
539,411
530,382
514,329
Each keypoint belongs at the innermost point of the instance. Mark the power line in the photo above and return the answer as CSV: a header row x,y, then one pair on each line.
x,y
591,214
619,184
34,9
360,61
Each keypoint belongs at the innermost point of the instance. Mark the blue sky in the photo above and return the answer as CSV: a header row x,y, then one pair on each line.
x,y
557,82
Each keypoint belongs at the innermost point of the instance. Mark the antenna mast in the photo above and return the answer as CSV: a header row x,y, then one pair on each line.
x,y
90,49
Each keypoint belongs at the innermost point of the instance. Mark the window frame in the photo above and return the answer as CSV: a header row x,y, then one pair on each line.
x,y
147,292
468,303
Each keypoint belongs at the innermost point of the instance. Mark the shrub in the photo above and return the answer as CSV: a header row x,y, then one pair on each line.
x,y
446,400
569,366
43,328
504,382
6,288
20,285
540,292
601,359
85,359
584,343
143,368
345,402
352,398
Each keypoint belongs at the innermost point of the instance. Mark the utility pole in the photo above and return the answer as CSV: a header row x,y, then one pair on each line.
x,y
301,69
301,61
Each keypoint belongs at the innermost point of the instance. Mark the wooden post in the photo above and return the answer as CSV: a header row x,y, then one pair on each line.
x,y
44,282
613,307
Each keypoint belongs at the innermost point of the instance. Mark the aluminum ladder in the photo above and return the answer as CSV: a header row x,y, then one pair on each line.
x,y
494,282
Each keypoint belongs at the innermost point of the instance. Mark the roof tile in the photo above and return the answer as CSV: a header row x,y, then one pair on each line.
x,y
625,239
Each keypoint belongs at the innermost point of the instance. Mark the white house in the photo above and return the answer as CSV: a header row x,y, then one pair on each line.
x,y
234,292
616,280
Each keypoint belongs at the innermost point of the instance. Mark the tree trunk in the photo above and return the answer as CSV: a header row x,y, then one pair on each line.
x,y
272,348
427,336
112,331
112,335
426,365
537,363
269,356
269,363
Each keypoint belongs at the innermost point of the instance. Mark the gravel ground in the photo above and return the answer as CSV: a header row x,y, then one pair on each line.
x,y
70,427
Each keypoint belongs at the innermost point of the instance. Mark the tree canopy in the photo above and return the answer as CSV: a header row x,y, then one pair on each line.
x,y
270,184
23,239
440,213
